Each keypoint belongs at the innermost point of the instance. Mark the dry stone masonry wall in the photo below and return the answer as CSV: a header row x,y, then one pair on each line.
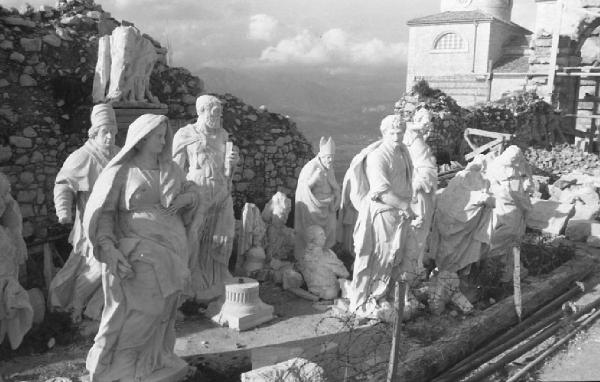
x,y
47,61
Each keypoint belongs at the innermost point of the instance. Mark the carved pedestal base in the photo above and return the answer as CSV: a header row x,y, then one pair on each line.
x,y
242,308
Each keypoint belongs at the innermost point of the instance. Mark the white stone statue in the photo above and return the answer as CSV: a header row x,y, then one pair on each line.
x,y
320,267
317,197
280,238
461,230
251,254
424,181
77,285
379,185
200,149
135,226
16,313
125,62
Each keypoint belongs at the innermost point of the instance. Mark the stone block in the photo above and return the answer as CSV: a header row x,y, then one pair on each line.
x,y
549,216
31,44
26,80
16,56
293,370
52,40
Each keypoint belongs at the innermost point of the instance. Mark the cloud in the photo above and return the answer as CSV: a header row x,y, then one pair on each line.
x,y
335,46
262,27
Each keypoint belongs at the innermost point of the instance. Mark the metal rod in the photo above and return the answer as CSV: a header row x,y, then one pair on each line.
x,y
554,347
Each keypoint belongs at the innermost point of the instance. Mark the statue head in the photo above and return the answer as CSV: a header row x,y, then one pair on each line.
x,y
210,110
315,236
420,124
104,125
326,151
392,130
277,209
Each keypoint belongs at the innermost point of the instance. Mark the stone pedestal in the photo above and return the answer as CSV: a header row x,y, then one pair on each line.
x,y
242,308
127,113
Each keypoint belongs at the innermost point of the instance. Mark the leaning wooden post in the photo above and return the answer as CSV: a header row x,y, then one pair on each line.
x,y
517,280
399,292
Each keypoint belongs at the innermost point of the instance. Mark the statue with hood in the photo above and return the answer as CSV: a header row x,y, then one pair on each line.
x,y
77,285
378,185
134,220
317,198
200,150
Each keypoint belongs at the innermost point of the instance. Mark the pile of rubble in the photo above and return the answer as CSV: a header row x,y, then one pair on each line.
x,y
563,159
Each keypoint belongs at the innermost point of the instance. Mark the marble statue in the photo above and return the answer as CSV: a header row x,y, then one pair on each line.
x,y
125,62
16,313
77,284
134,223
251,254
321,267
379,185
511,183
202,151
424,180
462,230
279,238
317,197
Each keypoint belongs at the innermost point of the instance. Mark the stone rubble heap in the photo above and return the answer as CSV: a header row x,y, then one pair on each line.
x,y
47,62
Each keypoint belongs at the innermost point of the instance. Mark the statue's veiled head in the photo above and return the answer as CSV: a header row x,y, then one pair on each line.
x,y
210,111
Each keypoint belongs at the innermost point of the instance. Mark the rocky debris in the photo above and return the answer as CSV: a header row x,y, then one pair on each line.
x,y
563,159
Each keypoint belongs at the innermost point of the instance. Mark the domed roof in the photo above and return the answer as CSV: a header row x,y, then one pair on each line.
x,y
500,9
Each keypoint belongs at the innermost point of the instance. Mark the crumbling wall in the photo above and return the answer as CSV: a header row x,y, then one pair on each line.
x,y
47,62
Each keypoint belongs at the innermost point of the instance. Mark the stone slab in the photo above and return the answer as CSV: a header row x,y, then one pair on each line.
x,y
549,216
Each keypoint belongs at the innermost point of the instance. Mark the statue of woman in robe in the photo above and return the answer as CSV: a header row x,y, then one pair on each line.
x,y
135,226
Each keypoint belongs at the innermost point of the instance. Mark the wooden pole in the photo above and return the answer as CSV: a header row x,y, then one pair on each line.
x,y
517,281
399,292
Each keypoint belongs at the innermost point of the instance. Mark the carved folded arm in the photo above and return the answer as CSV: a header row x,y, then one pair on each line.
x,y
63,202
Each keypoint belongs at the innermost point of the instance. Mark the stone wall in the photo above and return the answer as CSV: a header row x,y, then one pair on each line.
x,y
47,61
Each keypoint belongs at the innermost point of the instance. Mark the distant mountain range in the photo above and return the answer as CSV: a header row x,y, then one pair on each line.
x,y
346,105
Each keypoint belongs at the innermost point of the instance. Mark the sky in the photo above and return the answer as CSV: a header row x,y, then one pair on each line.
x,y
335,35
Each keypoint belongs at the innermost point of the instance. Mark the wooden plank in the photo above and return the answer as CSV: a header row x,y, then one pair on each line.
x,y
591,116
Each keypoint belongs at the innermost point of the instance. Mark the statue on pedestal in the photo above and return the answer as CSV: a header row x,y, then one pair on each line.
x,y
317,197
379,185
321,267
16,313
135,226
77,285
204,152
125,62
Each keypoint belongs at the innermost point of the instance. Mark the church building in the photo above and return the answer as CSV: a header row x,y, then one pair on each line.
x,y
458,49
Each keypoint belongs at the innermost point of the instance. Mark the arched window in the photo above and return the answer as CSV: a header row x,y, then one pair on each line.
x,y
449,41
